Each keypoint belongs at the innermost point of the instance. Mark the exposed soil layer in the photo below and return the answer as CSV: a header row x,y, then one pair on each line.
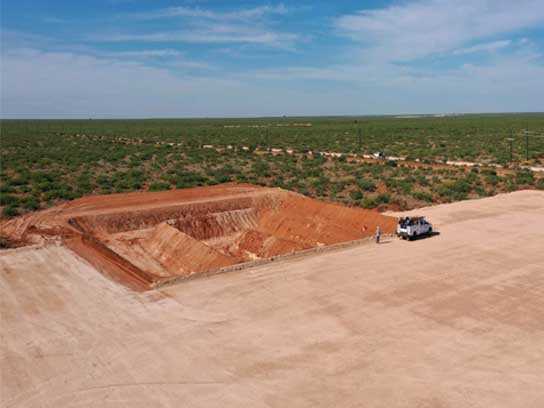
x,y
146,239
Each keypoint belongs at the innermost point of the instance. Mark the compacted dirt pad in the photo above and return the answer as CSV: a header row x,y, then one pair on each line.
x,y
452,321
147,239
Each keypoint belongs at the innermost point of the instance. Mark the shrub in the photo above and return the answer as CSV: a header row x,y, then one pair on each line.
x,y
423,196
221,175
261,168
222,178
189,179
511,185
422,180
46,186
366,185
10,211
8,199
373,202
405,186
64,193
122,185
18,181
391,163
337,187
40,177
481,191
383,198
5,188
31,203
458,190
369,202
525,177
400,202
159,186
492,178
104,181
356,195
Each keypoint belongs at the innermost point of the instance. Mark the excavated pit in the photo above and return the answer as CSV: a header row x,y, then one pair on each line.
x,y
146,239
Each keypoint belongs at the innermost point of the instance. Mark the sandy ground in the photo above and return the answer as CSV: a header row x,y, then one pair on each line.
x,y
456,320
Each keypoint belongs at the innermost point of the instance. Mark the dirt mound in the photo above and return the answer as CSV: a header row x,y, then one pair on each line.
x,y
312,222
145,239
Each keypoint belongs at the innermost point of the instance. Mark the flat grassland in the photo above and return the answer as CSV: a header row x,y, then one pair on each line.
x,y
455,320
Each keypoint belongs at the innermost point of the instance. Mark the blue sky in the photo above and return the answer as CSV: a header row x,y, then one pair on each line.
x,y
159,58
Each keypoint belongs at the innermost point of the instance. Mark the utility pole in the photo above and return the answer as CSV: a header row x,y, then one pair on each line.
x,y
359,134
527,144
359,131
510,140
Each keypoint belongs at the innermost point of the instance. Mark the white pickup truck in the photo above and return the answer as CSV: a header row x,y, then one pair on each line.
x,y
413,227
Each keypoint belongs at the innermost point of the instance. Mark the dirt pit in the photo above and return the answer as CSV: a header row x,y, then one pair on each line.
x,y
146,239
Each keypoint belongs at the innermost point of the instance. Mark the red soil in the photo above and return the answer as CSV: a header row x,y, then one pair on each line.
x,y
144,239
181,254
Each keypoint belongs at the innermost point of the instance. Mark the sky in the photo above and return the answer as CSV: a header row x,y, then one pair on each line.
x,y
198,58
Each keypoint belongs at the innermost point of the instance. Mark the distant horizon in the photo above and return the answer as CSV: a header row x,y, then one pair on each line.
x,y
392,115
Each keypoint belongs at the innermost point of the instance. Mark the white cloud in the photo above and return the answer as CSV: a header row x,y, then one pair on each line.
x,y
484,47
83,85
69,84
212,34
242,14
206,26
167,57
148,53
418,29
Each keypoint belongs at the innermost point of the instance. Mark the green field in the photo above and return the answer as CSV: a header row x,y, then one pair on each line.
x,y
47,161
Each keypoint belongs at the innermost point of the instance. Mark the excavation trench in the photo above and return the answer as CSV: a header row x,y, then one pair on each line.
x,y
146,242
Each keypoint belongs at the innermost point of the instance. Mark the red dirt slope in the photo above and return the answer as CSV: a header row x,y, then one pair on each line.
x,y
181,254
145,239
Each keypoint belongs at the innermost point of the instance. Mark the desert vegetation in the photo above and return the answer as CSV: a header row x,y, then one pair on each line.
x,y
45,162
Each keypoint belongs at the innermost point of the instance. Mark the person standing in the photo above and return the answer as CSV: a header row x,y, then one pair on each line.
x,y
378,234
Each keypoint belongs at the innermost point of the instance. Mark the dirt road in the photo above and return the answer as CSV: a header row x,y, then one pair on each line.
x,y
452,321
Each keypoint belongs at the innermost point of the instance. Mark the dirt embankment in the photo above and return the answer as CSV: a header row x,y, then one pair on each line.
x,y
180,253
145,239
